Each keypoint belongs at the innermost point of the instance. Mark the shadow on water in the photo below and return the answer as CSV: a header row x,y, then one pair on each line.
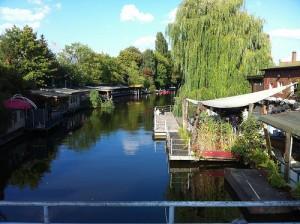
x,y
100,156
202,181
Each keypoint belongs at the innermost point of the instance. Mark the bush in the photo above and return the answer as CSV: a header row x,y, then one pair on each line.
x,y
250,141
214,134
184,134
95,99
296,192
250,145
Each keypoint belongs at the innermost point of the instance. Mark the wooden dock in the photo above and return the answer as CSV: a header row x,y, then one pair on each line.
x,y
164,122
252,185
166,127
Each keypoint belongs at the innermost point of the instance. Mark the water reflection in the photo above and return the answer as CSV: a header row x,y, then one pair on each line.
x,y
198,182
100,156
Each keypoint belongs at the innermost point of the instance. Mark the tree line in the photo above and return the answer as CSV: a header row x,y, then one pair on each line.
x,y
27,62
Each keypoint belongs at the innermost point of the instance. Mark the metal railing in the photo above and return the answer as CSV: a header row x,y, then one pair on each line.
x,y
171,205
173,145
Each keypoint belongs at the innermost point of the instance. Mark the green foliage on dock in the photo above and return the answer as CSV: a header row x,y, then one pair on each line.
x,y
95,99
250,146
296,192
97,102
217,44
184,134
214,134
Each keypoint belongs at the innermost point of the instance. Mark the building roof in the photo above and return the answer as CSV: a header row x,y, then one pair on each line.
x,y
69,91
57,92
287,122
283,67
48,93
255,77
108,88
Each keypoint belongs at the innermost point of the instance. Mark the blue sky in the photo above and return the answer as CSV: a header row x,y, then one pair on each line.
x,y
111,25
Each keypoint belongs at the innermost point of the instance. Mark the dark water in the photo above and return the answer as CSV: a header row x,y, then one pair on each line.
x,y
100,156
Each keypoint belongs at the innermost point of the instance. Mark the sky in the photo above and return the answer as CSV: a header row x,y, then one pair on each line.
x,y
109,26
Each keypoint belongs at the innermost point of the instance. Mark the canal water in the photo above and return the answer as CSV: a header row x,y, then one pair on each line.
x,y
106,156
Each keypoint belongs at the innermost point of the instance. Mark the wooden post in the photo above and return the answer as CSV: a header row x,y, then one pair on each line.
x,y
251,107
266,132
184,113
288,155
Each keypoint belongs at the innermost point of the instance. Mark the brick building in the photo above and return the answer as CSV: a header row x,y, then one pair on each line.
x,y
284,74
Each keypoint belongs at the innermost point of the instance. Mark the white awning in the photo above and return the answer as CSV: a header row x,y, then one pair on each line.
x,y
241,100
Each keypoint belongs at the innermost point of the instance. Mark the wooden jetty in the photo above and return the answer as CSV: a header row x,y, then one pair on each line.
x,y
166,127
252,185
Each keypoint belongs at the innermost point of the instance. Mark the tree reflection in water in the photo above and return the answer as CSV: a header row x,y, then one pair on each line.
x,y
200,184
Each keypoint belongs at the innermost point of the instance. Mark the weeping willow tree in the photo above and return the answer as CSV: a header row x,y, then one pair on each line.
x,y
217,44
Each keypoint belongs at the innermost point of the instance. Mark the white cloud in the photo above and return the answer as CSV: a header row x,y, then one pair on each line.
x,y
286,33
172,16
145,42
132,13
23,15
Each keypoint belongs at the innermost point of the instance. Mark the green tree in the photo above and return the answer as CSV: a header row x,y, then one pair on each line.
x,y
135,77
112,71
81,63
163,71
216,44
149,63
130,61
161,44
28,55
129,55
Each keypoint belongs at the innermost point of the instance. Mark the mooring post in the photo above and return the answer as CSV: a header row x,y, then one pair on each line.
x,y
288,155
184,113
189,147
154,119
171,147
171,214
46,214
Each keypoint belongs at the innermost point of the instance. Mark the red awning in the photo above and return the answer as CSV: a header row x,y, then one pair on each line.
x,y
17,104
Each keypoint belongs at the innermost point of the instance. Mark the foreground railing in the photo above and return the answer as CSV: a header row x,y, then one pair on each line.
x,y
171,205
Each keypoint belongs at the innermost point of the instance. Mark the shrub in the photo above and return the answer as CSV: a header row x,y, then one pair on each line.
x,y
184,134
250,145
296,192
95,99
214,134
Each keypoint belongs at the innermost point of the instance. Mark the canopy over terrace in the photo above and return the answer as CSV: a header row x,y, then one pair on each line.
x,y
241,100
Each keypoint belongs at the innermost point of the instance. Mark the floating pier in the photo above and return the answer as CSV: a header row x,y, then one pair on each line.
x,y
252,185
166,127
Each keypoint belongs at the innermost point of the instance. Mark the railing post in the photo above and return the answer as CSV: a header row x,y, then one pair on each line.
x,y
171,147
189,147
46,214
171,214
154,120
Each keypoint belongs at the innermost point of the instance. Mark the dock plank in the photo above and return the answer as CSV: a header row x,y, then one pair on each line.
x,y
252,185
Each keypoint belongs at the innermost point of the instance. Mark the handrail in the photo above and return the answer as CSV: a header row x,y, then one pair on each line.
x,y
171,205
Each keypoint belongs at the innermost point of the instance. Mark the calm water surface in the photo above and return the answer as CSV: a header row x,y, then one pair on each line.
x,y
100,156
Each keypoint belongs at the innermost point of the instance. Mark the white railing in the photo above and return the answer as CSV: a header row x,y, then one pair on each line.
x,y
174,146
171,205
